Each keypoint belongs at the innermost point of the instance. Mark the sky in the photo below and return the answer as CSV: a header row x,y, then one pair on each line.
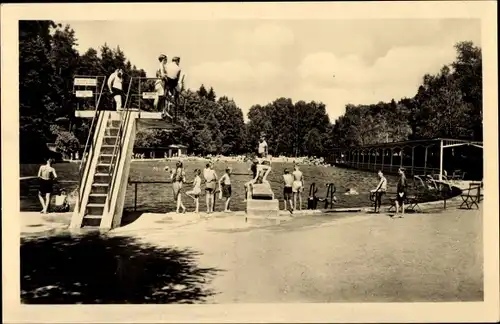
x,y
337,62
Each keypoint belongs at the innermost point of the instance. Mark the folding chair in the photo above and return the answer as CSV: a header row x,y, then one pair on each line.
x,y
412,202
393,204
472,196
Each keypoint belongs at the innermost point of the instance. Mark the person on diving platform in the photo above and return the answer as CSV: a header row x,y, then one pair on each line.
x,y
173,72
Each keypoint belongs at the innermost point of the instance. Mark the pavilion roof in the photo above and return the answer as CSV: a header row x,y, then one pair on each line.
x,y
414,143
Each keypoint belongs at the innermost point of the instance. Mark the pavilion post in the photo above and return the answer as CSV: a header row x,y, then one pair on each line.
x,y
369,158
412,159
357,153
441,160
383,155
392,156
425,161
401,157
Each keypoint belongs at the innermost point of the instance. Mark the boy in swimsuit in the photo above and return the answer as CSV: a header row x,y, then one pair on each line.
x,y
380,190
46,175
297,187
287,190
195,193
262,147
401,192
62,205
225,188
253,169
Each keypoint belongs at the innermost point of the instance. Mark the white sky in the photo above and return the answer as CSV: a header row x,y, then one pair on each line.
x,y
257,61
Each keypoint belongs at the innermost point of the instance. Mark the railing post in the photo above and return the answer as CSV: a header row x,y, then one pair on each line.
x,y
412,159
425,161
135,197
441,161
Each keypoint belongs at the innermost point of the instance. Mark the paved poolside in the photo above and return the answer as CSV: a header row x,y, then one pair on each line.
x,y
358,257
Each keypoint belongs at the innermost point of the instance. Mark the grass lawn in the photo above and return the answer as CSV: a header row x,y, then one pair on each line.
x,y
159,197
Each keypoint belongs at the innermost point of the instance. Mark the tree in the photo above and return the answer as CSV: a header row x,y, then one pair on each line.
x,y
36,88
211,94
202,92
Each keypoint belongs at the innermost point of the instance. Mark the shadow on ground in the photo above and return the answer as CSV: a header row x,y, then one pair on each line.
x,y
94,268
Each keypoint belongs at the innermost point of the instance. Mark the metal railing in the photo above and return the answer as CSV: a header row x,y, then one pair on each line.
x,y
144,93
89,144
118,148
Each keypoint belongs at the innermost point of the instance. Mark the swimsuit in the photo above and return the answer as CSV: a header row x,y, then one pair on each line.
x,y
45,186
401,190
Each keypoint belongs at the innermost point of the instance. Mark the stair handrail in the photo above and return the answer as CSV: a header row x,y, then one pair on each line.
x,y
86,151
117,150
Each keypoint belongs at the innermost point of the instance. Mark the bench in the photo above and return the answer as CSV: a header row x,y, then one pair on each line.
x,y
472,196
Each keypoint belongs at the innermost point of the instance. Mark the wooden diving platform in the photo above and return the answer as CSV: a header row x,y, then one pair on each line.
x,y
145,119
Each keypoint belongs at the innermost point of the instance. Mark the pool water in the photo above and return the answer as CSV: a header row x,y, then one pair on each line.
x,y
159,197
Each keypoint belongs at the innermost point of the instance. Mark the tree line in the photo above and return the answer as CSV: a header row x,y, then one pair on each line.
x,y
447,104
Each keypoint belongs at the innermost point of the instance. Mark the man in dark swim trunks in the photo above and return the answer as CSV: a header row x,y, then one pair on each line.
x,y
401,193
46,174
173,73
115,85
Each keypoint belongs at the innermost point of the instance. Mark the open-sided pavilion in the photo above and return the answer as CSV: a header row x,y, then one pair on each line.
x,y
418,157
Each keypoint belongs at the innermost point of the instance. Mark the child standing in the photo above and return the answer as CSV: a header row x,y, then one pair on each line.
x,y
195,193
178,177
225,188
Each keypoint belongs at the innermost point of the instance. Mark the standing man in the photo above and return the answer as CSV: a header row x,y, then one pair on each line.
x,y
262,147
287,190
115,86
380,190
173,72
160,83
297,187
210,184
46,175
401,193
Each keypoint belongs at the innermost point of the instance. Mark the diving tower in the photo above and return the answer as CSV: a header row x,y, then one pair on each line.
x,y
105,165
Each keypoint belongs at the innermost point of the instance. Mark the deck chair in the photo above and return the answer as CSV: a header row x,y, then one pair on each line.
x,y
471,196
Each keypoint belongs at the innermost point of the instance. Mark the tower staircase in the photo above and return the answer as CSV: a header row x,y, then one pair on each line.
x,y
104,169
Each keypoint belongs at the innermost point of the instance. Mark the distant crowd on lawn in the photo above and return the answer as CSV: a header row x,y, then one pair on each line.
x,y
304,160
